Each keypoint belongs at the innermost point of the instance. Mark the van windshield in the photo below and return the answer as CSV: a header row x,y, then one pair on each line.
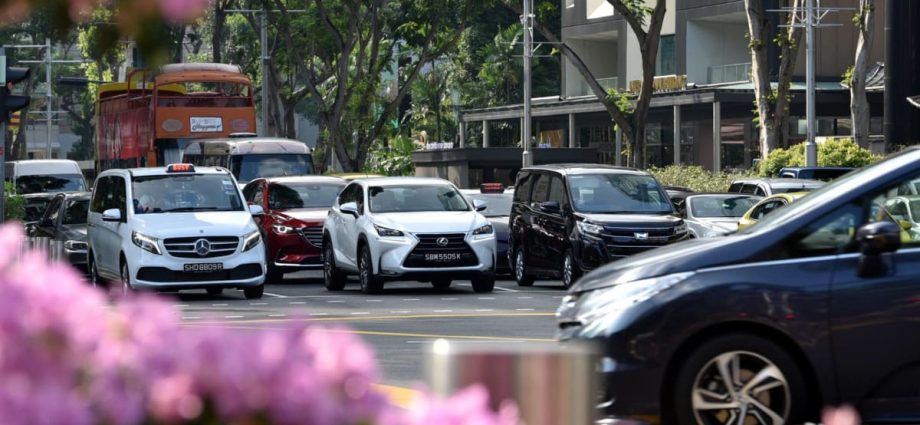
x,y
50,183
185,193
250,167
618,194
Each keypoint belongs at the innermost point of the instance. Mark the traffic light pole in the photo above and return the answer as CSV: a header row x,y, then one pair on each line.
x,y
3,144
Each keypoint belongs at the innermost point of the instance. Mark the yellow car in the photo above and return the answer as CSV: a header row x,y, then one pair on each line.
x,y
767,205
354,176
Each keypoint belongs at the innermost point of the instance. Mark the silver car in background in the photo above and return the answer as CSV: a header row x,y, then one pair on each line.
x,y
715,214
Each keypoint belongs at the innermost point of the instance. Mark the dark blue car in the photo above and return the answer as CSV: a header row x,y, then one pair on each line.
x,y
818,304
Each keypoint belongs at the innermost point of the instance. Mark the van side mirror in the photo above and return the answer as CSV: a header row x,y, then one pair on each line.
x,y
113,214
875,239
349,208
479,205
256,210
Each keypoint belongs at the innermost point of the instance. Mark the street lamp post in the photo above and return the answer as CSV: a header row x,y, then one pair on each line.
x,y
527,21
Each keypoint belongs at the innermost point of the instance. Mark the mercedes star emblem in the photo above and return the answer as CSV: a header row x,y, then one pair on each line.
x,y
202,247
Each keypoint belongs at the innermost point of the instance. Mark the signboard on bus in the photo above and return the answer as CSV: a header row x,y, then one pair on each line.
x,y
206,125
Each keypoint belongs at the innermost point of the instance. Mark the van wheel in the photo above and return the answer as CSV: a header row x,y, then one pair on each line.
x,y
333,278
739,378
126,287
484,283
370,282
441,283
520,271
254,293
570,271
94,278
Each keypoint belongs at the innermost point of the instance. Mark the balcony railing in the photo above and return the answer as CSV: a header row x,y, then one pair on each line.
x,y
607,83
729,73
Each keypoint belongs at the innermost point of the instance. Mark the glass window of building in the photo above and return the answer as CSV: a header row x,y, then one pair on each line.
x,y
667,56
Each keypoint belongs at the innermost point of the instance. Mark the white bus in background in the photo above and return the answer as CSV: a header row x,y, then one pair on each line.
x,y
249,157
45,176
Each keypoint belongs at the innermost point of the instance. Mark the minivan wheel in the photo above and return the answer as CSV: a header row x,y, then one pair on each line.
x,y
520,271
254,293
333,278
370,283
739,378
570,271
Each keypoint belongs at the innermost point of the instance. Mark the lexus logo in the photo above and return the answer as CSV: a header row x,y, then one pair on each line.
x,y
442,241
202,247
641,236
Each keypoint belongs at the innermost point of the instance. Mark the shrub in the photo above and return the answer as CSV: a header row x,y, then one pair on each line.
x,y
835,152
394,160
15,206
69,357
695,178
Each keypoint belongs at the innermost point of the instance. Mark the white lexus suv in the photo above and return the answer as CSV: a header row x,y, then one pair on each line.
x,y
407,228
172,228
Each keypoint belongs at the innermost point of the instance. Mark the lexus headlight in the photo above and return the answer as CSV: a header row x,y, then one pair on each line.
x,y
484,230
146,243
282,229
75,245
387,232
250,240
590,228
605,303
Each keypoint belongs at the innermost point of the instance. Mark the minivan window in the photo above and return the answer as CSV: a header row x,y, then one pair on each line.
x,y
251,167
101,194
522,191
415,198
616,193
50,183
540,189
557,191
185,193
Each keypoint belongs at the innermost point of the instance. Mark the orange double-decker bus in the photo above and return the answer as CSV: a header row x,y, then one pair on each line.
x,y
147,120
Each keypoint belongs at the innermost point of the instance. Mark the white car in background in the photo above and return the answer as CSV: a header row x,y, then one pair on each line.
x,y
174,228
407,228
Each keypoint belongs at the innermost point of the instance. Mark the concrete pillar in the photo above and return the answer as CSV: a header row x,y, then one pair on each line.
x,y
485,133
573,143
676,134
716,137
523,145
618,148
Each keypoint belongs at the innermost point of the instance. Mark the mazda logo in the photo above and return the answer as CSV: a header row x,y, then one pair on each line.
x,y
641,236
442,241
202,247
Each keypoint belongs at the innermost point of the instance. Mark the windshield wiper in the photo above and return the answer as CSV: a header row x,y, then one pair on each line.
x,y
189,209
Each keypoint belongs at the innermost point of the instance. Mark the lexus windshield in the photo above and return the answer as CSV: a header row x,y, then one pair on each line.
x,y
185,193
50,184
302,195
416,198
250,167
617,193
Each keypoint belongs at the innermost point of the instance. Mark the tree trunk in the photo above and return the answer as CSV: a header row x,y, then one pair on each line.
x,y
217,36
859,104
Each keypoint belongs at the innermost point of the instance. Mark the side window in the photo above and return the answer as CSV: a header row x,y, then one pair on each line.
x,y
101,194
54,209
347,194
828,235
891,206
359,198
540,189
735,187
120,196
258,194
760,192
250,190
748,188
522,189
557,191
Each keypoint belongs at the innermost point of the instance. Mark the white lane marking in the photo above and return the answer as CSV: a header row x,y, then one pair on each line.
x,y
191,318
448,299
374,301
334,301
443,311
480,310
219,305
233,317
505,289
411,299
182,305
319,314
523,309
275,295
296,303
525,298
277,315
357,313
258,303
400,311
558,297
471,340
486,298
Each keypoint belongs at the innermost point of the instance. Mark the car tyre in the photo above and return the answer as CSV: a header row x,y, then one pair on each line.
x,y
126,287
254,293
717,380
520,270
441,283
570,270
94,278
370,282
215,291
333,277
484,283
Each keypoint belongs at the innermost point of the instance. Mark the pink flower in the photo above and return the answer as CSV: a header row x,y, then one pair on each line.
x,y
180,11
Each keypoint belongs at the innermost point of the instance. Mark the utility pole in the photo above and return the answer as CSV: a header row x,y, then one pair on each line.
x,y
265,58
527,21
810,17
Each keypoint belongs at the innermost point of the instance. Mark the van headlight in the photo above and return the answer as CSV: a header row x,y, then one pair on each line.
x,y
75,245
484,230
147,243
590,228
250,240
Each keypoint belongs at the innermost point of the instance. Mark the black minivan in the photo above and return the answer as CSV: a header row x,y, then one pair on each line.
x,y
817,304
567,219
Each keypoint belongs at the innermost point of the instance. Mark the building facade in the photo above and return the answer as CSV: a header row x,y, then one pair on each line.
x,y
704,113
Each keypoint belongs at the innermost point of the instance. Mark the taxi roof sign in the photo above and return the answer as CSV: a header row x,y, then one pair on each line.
x,y
180,168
